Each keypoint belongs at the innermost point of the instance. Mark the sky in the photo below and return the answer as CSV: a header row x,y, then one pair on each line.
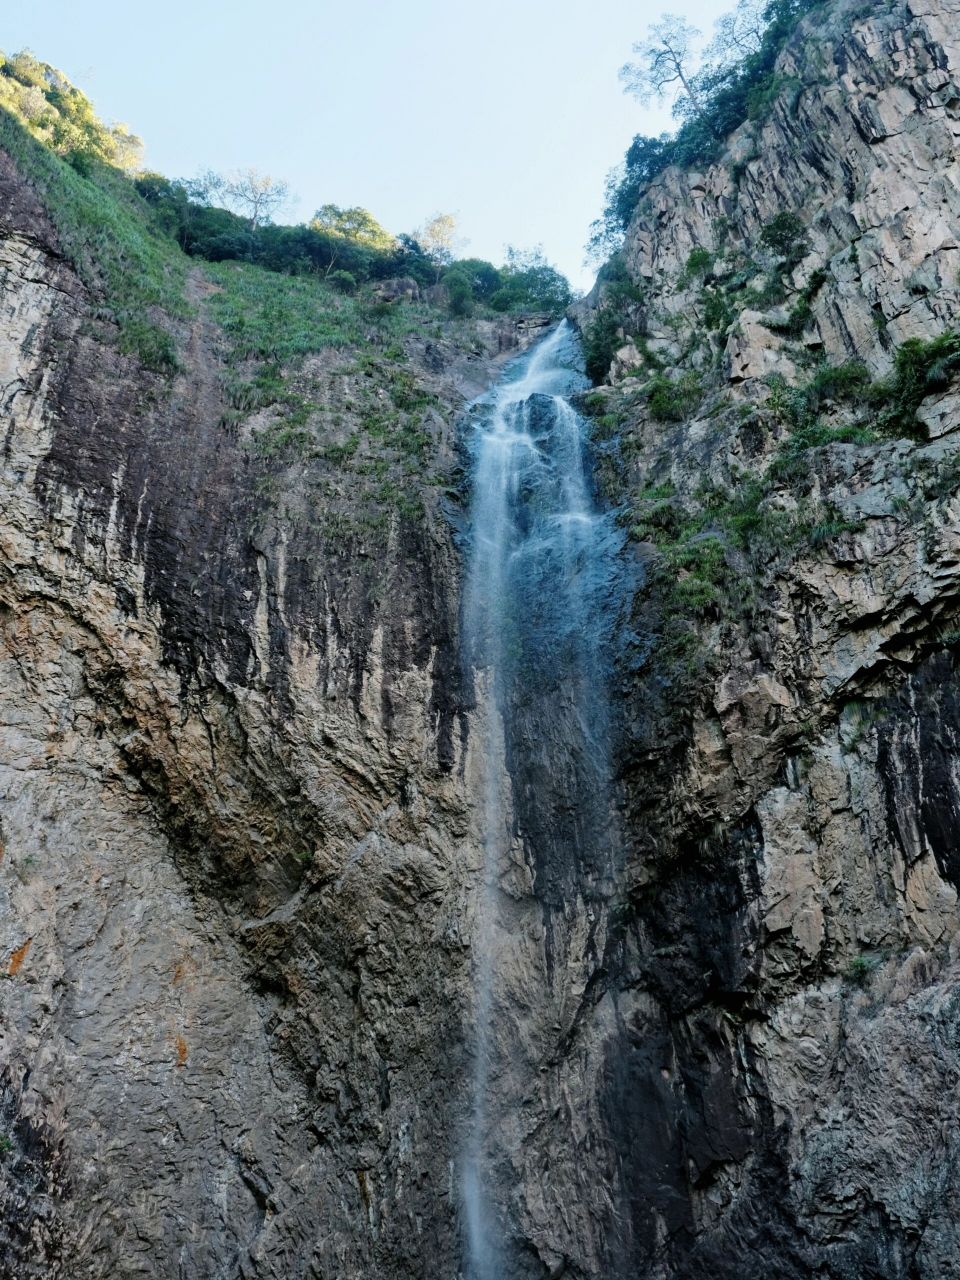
x,y
506,113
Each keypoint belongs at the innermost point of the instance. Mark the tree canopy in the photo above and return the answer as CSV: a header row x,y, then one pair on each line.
x,y
354,224
63,118
667,58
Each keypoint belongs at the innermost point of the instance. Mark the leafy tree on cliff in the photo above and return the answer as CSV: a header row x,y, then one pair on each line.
x,y
738,34
734,80
355,224
350,234
484,278
56,113
530,283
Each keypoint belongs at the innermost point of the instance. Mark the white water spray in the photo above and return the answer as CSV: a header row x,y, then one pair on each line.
x,y
532,626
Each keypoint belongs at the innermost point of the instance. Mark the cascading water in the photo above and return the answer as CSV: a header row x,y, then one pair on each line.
x,y
536,617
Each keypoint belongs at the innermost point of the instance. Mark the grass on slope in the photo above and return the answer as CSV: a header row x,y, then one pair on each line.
x,y
104,230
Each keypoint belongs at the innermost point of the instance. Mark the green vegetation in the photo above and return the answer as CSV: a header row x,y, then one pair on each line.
x,y
605,333
459,292
861,967
274,318
786,235
696,543
128,237
349,244
343,281
61,118
713,544
271,323
801,313
921,368
710,551
673,399
100,220
526,282
529,283
601,340
699,263
718,313
885,408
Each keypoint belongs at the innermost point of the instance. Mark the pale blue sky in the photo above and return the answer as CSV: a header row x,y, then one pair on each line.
x,y
506,112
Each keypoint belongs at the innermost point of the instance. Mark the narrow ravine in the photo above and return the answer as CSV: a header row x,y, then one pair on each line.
x,y
536,617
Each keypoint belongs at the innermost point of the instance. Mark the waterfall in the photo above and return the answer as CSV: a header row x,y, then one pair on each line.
x,y
535,617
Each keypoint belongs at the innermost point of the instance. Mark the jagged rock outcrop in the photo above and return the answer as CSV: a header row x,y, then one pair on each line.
x,y
782,1064
862,143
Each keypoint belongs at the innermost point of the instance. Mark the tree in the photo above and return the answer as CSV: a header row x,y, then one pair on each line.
x,y
483,276
437,238
127,148
353,233
644,160
531,284
667,58
256,194
354,224
206,188
786,236
459,291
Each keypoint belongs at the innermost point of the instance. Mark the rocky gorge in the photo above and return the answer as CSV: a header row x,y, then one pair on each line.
x,y
242,772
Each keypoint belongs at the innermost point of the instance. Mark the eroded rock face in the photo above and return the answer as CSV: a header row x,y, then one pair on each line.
x,y
779,1001
237,844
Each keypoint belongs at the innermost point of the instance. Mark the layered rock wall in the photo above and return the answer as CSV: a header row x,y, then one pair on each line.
x,y
788,966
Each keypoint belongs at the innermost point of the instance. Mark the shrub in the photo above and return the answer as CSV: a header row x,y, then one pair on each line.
x,y
860,968
718,314
921,368
483,277
699,262
459,292
838,382
343,281
153,346
601,341
824,531
785,235
673,400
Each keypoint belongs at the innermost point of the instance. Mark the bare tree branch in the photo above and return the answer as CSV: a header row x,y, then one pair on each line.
x,y
667,58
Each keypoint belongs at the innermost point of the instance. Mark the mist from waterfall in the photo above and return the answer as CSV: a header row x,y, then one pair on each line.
x,y
534,620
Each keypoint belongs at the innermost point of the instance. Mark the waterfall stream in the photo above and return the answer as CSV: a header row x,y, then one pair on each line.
x,y
535,619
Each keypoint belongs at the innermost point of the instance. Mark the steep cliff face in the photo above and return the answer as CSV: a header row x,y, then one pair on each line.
x,y
236,829
781,1089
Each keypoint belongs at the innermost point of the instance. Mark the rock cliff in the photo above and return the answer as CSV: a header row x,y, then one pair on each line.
x,y
237,844
788,962
241,841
